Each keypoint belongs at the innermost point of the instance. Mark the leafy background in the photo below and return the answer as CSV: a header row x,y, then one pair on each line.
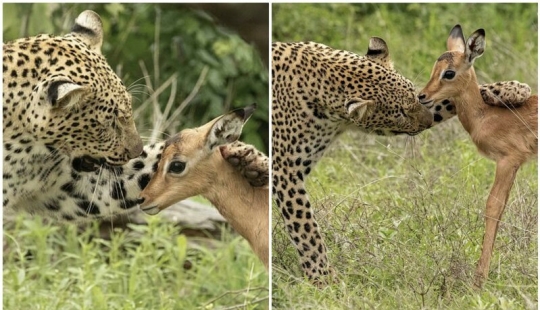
x,y
403,216
416,33
161,51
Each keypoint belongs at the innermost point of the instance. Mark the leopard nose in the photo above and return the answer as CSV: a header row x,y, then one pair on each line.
x,y
136,149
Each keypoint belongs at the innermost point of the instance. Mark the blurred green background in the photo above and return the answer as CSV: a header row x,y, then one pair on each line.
x,y
165,49
416,34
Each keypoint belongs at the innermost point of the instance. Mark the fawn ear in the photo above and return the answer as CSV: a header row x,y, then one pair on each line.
x,y
227,128
456,40
358,108
475,45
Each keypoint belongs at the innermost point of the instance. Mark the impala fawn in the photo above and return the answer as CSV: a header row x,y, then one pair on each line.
x,y
192,164
506,135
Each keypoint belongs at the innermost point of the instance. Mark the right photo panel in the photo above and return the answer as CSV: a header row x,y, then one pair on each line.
x,y
404,156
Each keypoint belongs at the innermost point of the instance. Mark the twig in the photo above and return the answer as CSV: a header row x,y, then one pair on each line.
x,y
190,97
154,95
236,293
242,306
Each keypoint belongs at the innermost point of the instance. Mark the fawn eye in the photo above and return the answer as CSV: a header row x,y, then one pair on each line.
x,y
449,74
177,167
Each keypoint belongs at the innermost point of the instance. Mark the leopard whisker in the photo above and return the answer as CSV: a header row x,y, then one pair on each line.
x,y
98,179
137,84
120,192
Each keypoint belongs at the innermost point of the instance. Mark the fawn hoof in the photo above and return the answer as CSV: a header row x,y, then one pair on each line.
x,y
478,282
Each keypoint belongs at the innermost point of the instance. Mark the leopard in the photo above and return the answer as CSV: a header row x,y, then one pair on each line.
x,y
319,92
61,101
71,150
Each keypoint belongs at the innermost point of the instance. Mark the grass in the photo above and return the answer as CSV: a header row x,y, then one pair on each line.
x,y
403,221
403,217
151,267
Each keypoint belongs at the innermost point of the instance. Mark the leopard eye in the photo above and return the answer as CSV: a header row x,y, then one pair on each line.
x,y
449,74
177,167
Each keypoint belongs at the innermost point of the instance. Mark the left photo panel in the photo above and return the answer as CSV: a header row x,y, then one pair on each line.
x,y
135,147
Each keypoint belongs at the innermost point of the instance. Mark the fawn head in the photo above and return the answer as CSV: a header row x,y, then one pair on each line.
x,y
454,71
190,161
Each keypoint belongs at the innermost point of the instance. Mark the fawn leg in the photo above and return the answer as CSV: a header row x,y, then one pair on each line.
x,y
504,179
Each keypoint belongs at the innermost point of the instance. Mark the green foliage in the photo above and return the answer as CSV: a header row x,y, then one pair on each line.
x,y
416,33
153,267
403,217
147,44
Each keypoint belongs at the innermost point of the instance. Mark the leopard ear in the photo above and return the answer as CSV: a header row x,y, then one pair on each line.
x,y
89,28
358,108
65,94
378,52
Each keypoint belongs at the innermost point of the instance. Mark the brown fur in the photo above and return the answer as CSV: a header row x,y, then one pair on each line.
x,y
507,136
208,174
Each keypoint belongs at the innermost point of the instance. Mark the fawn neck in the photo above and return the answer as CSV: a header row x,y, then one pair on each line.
x,y
469,103
245,207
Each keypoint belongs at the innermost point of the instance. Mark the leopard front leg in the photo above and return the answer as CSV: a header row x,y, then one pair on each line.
x,y
293,202
505,94
298,143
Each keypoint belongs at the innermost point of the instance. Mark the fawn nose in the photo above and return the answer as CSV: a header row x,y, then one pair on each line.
x,y
421,96
140,200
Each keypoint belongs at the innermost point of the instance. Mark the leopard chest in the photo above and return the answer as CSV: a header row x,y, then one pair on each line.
x,y
31,170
